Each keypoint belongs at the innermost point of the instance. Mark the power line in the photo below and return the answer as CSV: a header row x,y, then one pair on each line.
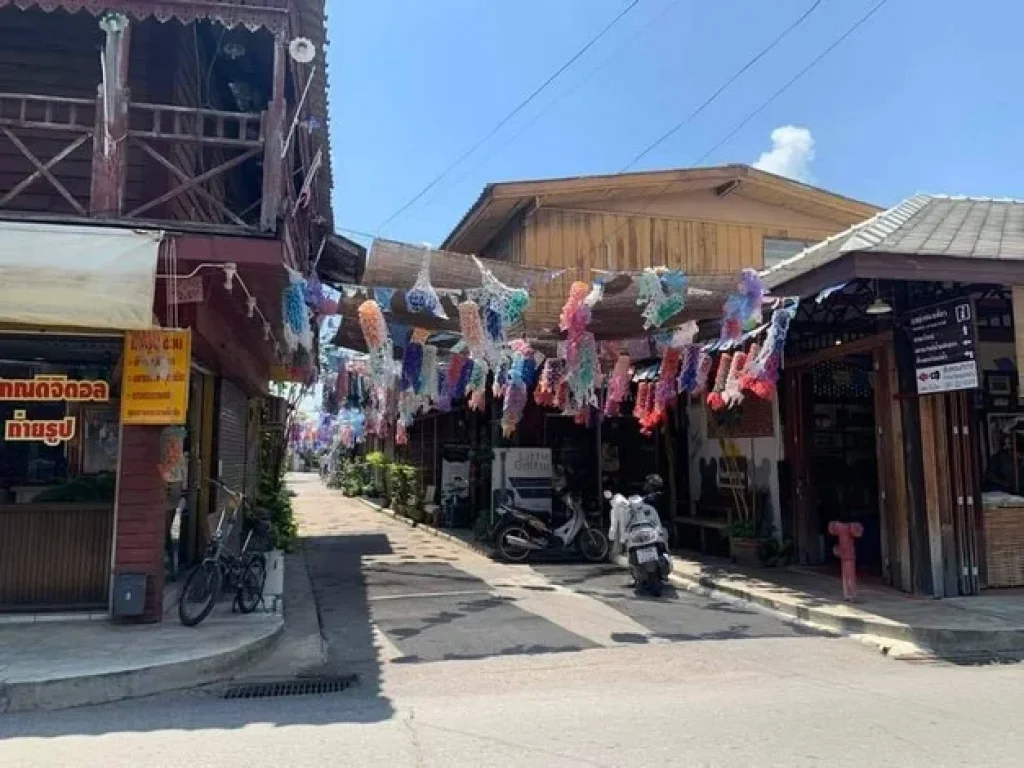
x,y
838,41
519,108
739,73
572,89
814,62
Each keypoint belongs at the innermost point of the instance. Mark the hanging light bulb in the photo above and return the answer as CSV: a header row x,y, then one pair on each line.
x,y
250,305
879,306
302,50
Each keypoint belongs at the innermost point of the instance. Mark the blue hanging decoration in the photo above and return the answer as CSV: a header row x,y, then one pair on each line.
x,y
295,314
412,367
493,325
383,296
422,297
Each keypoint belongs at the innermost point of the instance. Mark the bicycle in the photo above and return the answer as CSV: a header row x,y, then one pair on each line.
x,y
223,570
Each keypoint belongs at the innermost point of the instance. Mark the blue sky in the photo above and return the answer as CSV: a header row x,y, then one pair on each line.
x,y
926,96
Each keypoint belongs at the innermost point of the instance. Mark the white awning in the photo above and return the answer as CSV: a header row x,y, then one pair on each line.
x,y
88,277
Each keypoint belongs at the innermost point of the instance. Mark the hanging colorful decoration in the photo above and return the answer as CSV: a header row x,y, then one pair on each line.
x,y
515,395
297,331
732,394
428,373
664,296
667,387
422,297
575,316
687,383
551,377
472,329
618,386
642,405
714,400
477,389
742,310
412,367
584,371
764,371
407,407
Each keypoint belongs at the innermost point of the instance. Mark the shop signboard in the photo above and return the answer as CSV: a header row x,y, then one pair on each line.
x,y
522,477
455,472
944,339
47,388
154,387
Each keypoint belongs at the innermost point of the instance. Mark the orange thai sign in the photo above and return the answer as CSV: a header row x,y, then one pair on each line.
x,y
49,388
50,431
154,387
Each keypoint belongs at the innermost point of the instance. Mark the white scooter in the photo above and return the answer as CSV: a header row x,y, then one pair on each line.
x,y
520,533
636,525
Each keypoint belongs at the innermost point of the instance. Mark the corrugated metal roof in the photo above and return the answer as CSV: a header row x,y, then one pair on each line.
x,y
922,225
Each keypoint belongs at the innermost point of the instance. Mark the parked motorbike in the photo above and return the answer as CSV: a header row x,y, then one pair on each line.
x,y
520,533
635,522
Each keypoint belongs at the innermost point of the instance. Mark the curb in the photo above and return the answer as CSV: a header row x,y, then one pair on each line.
x,y
84,690
891,638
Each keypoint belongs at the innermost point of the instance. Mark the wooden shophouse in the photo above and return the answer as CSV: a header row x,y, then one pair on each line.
x,y
161,164
901,398
707,221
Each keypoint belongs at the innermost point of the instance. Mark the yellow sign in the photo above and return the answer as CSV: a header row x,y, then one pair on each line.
x,y
154,387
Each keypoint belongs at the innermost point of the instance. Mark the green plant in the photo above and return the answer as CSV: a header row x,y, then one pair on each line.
x,y
375,485
273,496
743,529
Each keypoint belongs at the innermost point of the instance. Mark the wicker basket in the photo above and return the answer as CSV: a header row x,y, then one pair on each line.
x,y
1004,546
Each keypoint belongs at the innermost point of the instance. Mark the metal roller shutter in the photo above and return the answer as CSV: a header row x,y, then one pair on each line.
x,y
232,423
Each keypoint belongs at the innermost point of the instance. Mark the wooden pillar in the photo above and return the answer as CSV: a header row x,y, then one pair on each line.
x,y
110,139
1018,335
273,137
910,416
141,514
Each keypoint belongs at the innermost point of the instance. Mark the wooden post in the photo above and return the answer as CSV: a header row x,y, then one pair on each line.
x,y
273,138
109,141
910,417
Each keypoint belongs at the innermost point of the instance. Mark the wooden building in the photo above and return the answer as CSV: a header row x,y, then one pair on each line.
x,y
194,123
700,220
873,432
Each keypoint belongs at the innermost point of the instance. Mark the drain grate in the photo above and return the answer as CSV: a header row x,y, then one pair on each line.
x,y
313,686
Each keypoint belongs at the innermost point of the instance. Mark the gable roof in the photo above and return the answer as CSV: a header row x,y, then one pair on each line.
x,y
499,203
939,226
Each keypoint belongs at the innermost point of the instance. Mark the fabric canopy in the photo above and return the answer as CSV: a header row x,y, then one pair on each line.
x,y
86,277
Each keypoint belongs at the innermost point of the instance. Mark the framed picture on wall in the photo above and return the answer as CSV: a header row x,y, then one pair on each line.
x,y
100,440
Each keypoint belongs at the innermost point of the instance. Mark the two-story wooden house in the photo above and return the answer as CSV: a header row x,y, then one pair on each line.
x,y
161,164
706,221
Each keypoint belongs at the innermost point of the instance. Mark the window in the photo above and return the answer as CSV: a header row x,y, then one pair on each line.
x,y
777,249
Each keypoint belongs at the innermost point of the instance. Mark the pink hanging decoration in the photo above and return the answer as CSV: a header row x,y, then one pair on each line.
x,y
768,363
551,377
732,395
575,315
472,328
715,401
375,327
666,391
515,404
704,365
618,386
641,407
748,376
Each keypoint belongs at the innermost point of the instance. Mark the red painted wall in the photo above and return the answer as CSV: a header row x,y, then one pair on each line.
x,y
141,515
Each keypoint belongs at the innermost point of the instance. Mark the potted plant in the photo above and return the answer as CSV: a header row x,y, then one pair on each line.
x,y
744,542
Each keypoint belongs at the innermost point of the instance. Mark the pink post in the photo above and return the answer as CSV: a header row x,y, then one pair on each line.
x,y
846,552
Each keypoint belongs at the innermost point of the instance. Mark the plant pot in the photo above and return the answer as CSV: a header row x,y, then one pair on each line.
x,y
744,551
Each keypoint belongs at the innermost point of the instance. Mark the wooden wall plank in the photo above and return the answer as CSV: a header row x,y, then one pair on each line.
x,y
930,453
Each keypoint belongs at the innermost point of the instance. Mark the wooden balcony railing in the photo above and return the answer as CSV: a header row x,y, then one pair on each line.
x,y
58,157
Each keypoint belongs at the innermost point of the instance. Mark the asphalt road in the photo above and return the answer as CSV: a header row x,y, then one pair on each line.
x,y
465,662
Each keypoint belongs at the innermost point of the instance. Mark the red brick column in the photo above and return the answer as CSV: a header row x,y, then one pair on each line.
x,y
141,514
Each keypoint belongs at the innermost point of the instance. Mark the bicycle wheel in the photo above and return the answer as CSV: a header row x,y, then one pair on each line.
x,y
199,594
250,588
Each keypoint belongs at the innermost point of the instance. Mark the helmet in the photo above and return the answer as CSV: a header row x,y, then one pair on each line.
x,y
654,483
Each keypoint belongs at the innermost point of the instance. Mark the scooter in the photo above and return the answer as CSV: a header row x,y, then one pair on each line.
x,y
520,533
636,523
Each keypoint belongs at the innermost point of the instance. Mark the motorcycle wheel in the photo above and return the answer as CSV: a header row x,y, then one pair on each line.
x,y
593,545
654,584
509,551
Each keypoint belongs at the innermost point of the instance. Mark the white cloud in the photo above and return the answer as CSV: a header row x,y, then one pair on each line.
x,y
791,153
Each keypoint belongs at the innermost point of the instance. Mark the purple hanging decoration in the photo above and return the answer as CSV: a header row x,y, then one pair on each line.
x,y
412,367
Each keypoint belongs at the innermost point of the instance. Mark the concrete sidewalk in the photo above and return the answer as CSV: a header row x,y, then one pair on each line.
x,y
53,665
991,625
